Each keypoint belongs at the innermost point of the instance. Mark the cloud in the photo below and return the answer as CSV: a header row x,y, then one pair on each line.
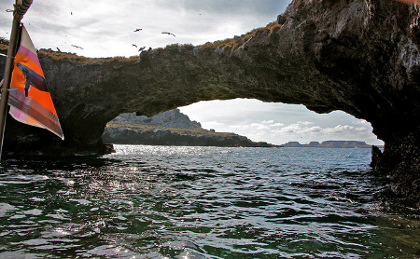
x,y
259,126
361,122
277,125
344,129
280,123
268,122
213,124
305,122
309,131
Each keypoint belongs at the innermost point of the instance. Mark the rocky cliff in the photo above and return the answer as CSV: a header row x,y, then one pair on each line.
x,y
358,56
170,119
170,128
156,135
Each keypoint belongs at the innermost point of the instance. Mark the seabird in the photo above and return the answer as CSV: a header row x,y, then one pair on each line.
x,y
77,47
134,45
169,33
136,30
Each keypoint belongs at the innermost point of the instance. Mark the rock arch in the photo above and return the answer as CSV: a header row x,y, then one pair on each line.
x,y
358,56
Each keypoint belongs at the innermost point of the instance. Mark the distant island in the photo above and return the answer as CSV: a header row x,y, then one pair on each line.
x,y
174,128
170,128
330,144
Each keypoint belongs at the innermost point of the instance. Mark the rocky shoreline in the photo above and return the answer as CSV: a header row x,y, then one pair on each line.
x,y
170,128
157,135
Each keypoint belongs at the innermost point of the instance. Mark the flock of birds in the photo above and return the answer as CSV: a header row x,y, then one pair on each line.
x,y
142,48
134,45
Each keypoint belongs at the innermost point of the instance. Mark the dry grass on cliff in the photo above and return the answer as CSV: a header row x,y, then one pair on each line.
x,y
69,57
65,56
3,47
173,47
236,42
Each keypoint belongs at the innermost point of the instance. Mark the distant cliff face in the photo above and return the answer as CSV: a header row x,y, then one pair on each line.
x,y
170,128
154,135
358,56
171,119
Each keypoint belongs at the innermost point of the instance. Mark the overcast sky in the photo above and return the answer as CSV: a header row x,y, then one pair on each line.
x,y
106,28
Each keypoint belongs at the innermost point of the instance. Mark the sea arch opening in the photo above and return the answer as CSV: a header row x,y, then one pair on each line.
x,y
279,123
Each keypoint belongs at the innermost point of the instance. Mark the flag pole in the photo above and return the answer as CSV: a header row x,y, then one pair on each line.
x,y
21,7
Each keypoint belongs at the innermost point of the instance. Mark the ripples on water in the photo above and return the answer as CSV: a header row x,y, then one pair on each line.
x,y
201,202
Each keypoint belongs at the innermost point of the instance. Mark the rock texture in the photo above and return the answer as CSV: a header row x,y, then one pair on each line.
x,y
170,119
358,56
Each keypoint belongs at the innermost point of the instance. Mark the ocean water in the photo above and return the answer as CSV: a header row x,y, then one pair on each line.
x,y
201,202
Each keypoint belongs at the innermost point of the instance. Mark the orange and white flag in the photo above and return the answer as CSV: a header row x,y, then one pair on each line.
x,y
29,99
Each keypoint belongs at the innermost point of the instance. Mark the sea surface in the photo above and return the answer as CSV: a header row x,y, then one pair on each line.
x,y
201,202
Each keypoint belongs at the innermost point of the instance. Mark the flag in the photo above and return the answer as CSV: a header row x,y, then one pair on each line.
x,y
29,99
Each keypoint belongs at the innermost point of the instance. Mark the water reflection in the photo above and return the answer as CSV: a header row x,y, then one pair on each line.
x,y
156,202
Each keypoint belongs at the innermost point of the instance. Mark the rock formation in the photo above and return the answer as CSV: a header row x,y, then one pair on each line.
x,y
170,119
170,128
155,135
358,56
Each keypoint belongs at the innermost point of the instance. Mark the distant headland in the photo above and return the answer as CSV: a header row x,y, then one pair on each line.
x,y
171,128
331,144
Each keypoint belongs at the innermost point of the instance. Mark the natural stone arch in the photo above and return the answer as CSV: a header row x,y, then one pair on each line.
x,y
358,56
326,55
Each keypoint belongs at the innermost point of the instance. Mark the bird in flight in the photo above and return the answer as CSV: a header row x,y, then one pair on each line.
x,y
77,47
169,33
136,30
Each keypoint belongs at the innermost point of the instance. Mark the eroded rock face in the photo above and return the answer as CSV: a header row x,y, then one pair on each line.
x,y
358,56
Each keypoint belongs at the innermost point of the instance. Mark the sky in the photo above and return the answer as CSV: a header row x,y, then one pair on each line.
x,y
110,28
